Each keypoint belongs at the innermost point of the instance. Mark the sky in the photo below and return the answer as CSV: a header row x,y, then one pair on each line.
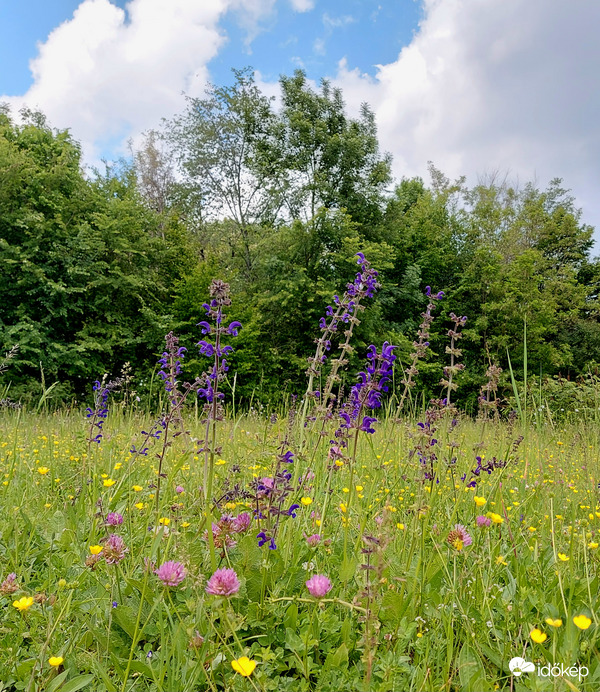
x,y
478,87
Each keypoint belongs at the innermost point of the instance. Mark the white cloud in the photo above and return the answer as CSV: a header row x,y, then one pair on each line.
x,y
302,5
496,85
108,74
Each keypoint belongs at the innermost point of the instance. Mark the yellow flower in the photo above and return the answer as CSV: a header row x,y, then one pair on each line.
x,y
220,462
581,621
400,526
359,488
23,603
108,482
118,465
501,561
306,501
165,521
244,666
55,661
139,505
532,529
496,518
592,545
563,557
95,549
479,501
458,544
137,488
538,636
554,623
345,490
339,462
185,524
43,470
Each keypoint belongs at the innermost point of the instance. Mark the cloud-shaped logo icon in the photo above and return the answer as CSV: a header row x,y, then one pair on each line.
x,y
518,666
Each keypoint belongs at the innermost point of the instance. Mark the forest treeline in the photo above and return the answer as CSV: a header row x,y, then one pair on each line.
x,y
277,200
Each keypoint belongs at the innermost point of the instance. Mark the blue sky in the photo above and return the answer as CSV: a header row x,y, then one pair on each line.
x,y
370,32
478,87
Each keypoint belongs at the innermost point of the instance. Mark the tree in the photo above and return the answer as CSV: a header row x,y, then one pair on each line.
x,y
215,142
326,158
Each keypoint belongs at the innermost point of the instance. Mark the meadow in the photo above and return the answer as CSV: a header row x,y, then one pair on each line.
x,y
412,601
349,540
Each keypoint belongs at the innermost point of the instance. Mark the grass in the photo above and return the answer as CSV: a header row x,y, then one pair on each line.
x,y
409,608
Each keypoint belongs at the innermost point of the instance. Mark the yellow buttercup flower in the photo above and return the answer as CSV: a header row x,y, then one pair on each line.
x,y
23,603
496,518
538,636
479,501
55,661
554,623
165,521
108,482
43,470
306,501
592,545
501,561
244,666
563,557
95,549
137,488
139,505
582,621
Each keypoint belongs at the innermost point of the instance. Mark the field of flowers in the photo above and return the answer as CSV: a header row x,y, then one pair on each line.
x,y
377,580
331,545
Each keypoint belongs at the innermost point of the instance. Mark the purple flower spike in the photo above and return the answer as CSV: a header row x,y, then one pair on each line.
x,y
224,582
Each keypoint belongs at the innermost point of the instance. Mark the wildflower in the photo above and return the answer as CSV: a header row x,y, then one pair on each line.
x,y
171,573
137,488
479,501
563,557
242,522
496,518
538,636
319,585
306,501
108,482
43,470
244,666
501,561
581,621
554,623
95,549
459,537
55,661
139,505
263,538
224,582
313,540
483,521
592,545
179,489
9,585
114,519
114,549
164,521
23,603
